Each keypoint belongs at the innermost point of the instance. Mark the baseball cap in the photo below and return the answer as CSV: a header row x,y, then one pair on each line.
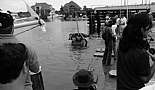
x,y
6,20
83,78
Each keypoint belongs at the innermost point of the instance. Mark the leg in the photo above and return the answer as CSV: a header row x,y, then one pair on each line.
x,y
109,53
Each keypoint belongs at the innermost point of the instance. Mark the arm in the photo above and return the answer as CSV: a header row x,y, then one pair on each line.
x,y
152,70
32,62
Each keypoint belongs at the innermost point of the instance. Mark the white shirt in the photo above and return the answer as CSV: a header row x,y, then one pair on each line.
x,y
124,20
114,29
117,21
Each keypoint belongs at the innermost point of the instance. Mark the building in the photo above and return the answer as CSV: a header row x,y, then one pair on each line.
x,y
125,10
42,9
71,8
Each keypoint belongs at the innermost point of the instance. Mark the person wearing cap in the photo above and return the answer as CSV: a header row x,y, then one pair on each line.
x,y
6,36
84,80
133,62
12,62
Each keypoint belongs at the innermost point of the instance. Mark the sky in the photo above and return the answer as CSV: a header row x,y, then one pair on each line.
x,y
19,5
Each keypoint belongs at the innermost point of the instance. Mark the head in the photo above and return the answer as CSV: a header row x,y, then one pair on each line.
x,y
83,78
136,30
109,23
6,23
107,18
12,58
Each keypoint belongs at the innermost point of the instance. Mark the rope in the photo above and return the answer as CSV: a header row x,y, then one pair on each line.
x,y
26,30
78,29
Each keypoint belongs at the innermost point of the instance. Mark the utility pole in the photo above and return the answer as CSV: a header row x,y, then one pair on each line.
x,y
145,1
124,2
127,11
120,9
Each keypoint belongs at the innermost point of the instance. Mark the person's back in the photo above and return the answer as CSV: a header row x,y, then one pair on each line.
x,y
6,36
131,66
12,67
107,32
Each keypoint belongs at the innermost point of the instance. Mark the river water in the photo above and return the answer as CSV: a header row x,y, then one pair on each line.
x,y
59,60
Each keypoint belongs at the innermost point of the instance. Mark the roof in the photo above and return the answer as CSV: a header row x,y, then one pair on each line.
x,y
43,5
72,3
146,6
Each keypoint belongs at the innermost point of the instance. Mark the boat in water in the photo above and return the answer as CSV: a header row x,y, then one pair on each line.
x,y
78,39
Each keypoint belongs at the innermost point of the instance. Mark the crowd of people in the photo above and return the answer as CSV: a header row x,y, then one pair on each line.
x,y
111,33
132,52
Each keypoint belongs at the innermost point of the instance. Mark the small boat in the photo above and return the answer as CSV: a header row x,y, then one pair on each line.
x,y
78,39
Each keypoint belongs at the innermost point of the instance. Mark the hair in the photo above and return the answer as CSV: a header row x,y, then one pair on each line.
x,y
12,58
6,23
132,36
8,30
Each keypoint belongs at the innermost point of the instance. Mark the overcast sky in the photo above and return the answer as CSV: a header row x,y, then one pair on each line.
x,y
18,5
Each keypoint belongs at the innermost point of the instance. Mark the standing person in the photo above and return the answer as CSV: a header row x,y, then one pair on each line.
x,y
12,66
118,21
114,36
133,67
123,23
6,36
107,36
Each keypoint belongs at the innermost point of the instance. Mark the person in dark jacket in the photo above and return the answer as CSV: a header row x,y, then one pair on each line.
x,y
133,67
31,64
108,43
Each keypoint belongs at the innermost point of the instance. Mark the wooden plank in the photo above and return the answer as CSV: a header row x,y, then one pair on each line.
x,y
100,50
113,73
100,54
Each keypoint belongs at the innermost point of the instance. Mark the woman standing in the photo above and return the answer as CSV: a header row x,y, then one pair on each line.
x,y
133,67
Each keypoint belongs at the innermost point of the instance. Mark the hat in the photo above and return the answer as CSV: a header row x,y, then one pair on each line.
x,y
6,20
83,78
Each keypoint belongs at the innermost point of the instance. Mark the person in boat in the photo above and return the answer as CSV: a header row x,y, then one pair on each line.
x,y
77,36
133,66
78,39
31,62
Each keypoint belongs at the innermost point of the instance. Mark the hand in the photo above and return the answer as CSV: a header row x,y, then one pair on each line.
x,y
152,57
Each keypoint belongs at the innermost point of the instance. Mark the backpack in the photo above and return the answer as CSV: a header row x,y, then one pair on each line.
x,y
104,33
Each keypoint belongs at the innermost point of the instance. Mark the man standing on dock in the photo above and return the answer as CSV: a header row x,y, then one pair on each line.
x,y
31,63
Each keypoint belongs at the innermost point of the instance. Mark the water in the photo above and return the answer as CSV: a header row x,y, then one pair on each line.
x,y
58,59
